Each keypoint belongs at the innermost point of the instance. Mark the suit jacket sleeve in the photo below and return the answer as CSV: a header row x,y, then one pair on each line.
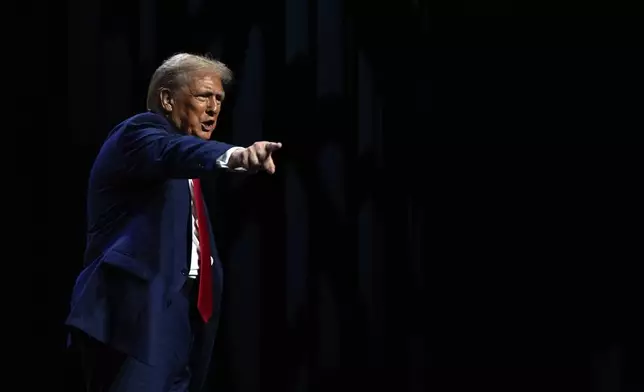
x,y
153,151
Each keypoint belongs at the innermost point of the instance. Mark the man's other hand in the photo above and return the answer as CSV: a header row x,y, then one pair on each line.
x,y
256,157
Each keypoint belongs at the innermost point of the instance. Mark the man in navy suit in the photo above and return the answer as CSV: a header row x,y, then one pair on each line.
x,y
145,308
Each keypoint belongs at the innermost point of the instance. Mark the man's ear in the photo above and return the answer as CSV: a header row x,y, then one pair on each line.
x,y
167,102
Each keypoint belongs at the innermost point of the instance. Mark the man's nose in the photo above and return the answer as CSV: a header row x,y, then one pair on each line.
x,y
213,107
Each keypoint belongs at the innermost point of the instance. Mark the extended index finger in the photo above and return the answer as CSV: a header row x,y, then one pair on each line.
x,y
272,146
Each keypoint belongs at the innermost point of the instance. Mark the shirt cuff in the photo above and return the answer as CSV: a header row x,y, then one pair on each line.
x,y
222,161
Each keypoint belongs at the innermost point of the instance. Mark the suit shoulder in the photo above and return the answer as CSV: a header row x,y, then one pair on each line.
x,y
138,122
148,119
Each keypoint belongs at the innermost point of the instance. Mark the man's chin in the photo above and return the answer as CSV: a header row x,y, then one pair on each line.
x,y
205,135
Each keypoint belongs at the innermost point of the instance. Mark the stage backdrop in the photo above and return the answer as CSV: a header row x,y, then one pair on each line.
x,y
451,207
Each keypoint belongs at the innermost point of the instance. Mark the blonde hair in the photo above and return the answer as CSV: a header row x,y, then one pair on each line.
x,y
175,72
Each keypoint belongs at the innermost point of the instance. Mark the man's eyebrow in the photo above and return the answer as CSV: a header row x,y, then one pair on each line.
x,y
219,94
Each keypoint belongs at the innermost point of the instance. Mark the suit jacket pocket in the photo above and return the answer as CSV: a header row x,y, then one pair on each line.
x,y
128,263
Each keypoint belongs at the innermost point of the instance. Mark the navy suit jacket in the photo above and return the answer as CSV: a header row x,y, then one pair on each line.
x,y
139,237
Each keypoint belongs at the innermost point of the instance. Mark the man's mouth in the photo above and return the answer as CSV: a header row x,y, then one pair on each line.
x,y
209,125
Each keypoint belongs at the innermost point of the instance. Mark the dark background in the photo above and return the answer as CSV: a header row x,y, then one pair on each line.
x,y
457,202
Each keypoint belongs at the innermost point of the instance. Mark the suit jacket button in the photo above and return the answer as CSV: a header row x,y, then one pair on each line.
x,y
184,272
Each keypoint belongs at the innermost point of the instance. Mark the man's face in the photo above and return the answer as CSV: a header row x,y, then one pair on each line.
x,y
194,107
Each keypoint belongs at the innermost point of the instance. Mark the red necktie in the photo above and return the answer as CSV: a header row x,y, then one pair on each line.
x,y
204,301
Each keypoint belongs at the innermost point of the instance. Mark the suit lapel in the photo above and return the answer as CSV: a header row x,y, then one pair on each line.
x,y
180,198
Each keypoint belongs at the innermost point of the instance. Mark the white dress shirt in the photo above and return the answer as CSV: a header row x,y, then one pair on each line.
x,y
222,162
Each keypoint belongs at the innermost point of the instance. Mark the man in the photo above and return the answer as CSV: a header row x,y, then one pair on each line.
x,y
144,310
